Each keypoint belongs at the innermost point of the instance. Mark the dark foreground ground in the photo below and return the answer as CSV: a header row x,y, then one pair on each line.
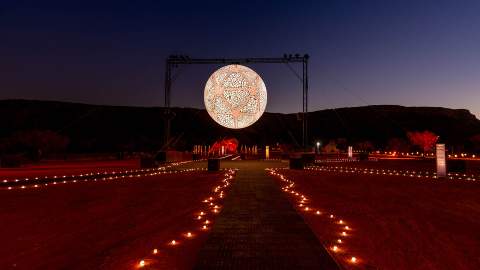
x,y
108,225
395,222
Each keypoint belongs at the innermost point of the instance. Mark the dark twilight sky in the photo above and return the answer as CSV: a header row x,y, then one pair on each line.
x,y
415,53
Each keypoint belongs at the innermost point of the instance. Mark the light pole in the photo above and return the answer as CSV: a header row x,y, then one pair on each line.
x,y
318,147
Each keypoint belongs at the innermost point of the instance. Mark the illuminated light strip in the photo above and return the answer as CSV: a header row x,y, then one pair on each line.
x,y
391,172
332,160
204,226
418,154
337,251
104,178
99,173
335,160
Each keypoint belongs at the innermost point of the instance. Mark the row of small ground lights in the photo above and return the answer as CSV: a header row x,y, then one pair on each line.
x,y
337,246
393,172
333,160
211,206
96,177
56,177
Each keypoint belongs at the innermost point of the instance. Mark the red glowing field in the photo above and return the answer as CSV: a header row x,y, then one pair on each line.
x,y
60,168
108,225
394,222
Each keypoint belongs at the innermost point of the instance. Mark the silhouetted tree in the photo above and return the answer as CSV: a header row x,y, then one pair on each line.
x,y
331,147
341,144
398,144
34,144
364,146
425,140
475,141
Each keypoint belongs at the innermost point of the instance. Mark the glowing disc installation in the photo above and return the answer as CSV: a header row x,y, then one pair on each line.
x,y
235,96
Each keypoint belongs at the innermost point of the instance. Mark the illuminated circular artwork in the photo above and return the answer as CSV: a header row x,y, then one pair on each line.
x,y
235,96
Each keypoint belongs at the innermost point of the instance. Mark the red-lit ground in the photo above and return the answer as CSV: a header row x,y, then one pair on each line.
x,y
106,225
473,166
60,168
397,222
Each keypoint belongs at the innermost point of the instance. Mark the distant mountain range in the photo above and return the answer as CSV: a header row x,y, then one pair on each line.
x,y
96,128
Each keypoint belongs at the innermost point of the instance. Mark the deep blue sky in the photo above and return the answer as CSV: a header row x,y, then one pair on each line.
x,y
416,53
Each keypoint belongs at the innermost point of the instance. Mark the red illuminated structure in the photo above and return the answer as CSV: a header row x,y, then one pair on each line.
x,y
229,147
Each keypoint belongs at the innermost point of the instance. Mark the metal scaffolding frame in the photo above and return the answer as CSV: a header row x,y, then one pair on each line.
x,y
174,61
